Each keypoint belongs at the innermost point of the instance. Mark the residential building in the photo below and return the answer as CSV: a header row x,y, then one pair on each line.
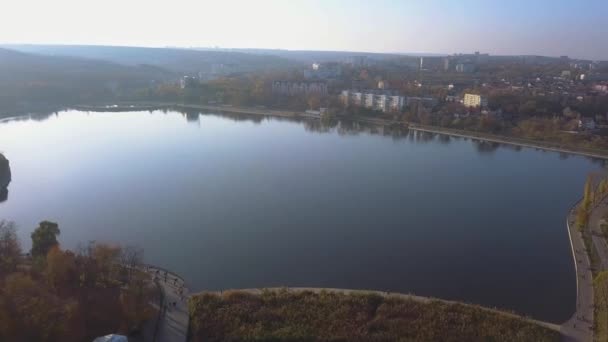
x,y
423,101
586,124
383,84
299,88
465,67
188,82
473,100
446,64
385,101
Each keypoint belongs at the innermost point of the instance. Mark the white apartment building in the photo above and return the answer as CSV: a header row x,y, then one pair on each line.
x,y
373,99
473,100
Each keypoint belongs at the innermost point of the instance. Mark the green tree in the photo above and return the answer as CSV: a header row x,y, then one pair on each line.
x,y
44,238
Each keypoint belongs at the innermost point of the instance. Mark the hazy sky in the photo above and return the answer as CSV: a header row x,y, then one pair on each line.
x,y
577,28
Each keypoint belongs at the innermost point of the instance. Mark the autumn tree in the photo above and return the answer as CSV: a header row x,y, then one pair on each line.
x,y
107,259
602,189
131,258
135,300
60,271
588,194
64,296
39,315
314,102
44,238
582,216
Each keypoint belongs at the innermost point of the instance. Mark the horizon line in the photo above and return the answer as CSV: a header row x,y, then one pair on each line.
x,y
202,48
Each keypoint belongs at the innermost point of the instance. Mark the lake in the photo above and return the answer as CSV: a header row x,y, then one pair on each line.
x,y
233,201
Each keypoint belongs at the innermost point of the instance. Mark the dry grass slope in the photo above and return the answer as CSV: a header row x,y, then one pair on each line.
x,y
328,316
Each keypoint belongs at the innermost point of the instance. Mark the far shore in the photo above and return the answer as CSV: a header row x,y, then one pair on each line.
x,y
487,137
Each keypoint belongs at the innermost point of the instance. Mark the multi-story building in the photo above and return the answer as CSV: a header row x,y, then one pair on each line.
x,y
385,101
188,82
299,88
465,67
473,100
423,101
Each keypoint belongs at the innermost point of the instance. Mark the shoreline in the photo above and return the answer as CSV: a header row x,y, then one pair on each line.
x,y
487,137
507,140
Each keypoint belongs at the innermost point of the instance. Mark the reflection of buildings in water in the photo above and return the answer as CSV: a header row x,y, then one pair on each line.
x,y
40,117
422,136
515,148
486,146
192,116
315,126
444,138
350,127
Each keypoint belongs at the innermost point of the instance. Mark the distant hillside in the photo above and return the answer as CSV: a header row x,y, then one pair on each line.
x,y
19,66
30,79
177,60
308,56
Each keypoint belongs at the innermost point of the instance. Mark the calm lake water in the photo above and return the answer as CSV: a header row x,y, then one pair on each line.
x,y
240,202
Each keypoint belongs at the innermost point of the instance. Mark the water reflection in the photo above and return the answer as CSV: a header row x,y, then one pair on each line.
x,y
346,127
486,147
192,116
246,211
444,139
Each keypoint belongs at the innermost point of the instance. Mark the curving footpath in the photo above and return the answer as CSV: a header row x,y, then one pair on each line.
x,y
174,319
580,326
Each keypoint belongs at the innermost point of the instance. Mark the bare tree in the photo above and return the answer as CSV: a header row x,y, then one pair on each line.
x,y
132,259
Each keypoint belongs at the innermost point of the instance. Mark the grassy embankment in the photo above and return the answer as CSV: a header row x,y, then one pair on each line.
x,y
600,291
278,315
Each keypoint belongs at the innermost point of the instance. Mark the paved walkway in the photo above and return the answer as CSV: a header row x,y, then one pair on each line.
x,y
580,326
173,325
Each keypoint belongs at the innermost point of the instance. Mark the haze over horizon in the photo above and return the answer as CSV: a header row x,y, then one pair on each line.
x,y
550,28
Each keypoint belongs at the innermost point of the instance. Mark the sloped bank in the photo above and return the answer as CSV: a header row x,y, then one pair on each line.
x,y
345,315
